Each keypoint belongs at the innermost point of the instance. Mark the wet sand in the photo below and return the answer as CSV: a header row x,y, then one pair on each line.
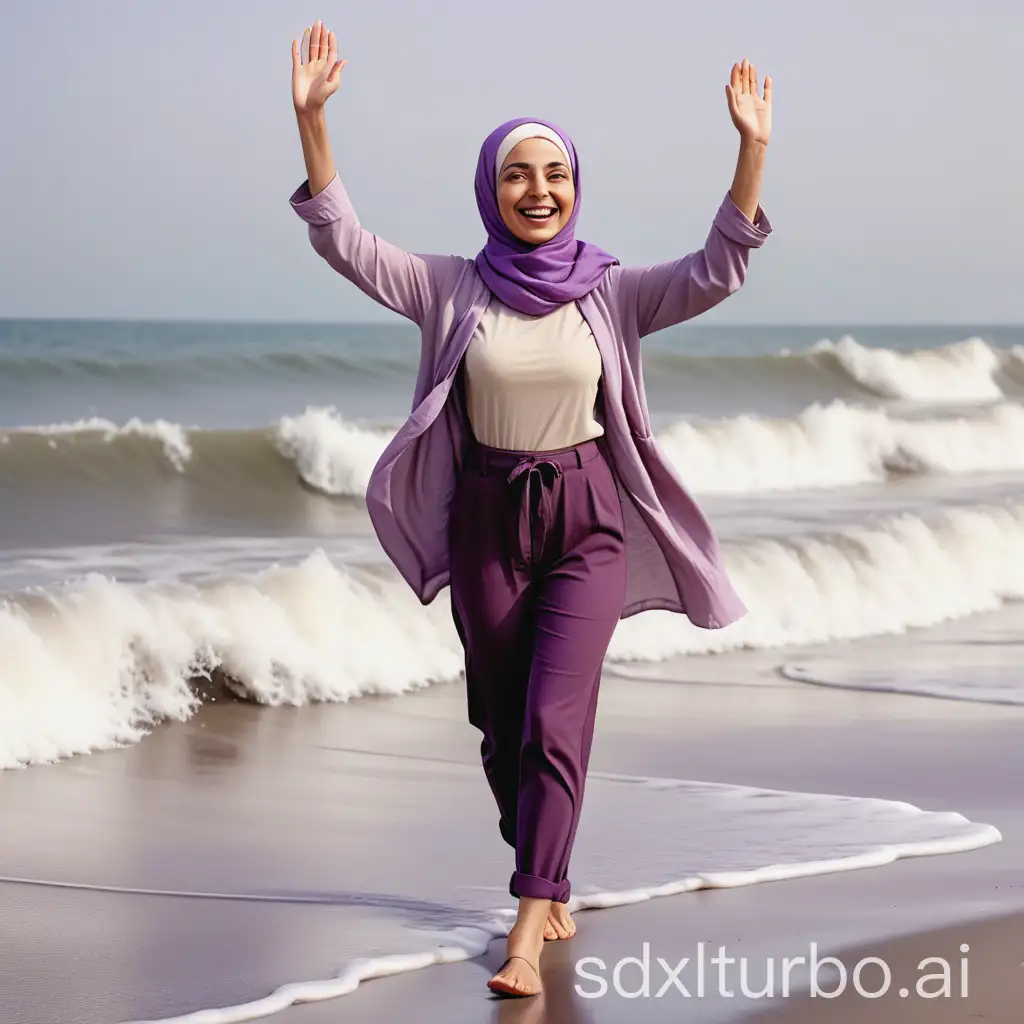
x,y
292,804
986,980
989,989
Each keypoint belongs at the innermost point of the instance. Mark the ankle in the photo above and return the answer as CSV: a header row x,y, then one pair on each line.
x,y
532,912
527,935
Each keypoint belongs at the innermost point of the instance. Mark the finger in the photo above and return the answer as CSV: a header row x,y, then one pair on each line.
x,y
753,79
730,95
332,51
314,42
745,76
296,56
768,88
305,46
734,78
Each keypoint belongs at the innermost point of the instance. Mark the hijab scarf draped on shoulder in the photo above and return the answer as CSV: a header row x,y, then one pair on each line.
x,y
533,279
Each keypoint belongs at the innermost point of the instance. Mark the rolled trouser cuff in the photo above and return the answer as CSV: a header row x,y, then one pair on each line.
x,y
539,888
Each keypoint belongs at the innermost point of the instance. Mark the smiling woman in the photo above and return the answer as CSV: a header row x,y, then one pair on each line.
x,y
536,194
526,477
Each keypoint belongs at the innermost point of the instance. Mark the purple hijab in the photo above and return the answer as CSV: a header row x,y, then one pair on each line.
x,y
533,279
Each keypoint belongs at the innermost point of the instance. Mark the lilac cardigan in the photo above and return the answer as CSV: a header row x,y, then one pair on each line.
x,y
674,561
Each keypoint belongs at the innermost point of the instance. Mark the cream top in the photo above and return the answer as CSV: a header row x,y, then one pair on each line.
x,y
531,381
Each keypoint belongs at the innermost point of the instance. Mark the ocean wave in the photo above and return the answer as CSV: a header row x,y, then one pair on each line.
x,y
964,371
969,370
895,573
331,455
161,366
317,447
96,663
840,444
825,446
172,437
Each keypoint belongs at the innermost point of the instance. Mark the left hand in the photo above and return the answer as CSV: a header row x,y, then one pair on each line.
x,y
751,113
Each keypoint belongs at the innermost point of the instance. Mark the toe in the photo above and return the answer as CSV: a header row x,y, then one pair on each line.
x,y
559,926
563,924
516,977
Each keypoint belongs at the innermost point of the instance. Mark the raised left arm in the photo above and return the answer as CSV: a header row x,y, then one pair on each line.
x,y
752,115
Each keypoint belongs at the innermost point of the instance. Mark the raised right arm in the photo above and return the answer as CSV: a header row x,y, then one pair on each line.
x,y
397,279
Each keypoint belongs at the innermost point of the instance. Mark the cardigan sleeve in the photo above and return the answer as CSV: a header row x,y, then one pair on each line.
x,y
401,281
668,293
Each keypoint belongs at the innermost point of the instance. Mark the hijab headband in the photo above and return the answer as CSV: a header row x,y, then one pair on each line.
x,y
530,130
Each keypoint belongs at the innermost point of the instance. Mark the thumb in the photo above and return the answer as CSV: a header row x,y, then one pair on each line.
x,y
296,60
335,76
730,97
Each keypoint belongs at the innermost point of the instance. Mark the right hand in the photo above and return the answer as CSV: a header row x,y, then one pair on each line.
x,y
316,70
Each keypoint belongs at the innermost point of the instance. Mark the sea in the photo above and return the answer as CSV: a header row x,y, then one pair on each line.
x,y
183,522
182,498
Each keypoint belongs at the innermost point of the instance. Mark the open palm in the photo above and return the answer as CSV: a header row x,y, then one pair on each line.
x,y
316,70
751,113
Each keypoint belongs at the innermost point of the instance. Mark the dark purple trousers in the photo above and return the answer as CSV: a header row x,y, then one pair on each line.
x,y
538,577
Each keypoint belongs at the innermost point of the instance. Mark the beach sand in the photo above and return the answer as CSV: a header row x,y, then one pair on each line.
x,y
344,819
990,988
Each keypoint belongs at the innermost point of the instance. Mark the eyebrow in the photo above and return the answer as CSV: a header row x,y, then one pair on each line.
x,y
526,166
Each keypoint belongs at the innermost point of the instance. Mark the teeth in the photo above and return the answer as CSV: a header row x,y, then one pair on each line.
x,y
537,212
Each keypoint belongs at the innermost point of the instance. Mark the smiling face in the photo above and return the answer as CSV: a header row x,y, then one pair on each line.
x,y
535,191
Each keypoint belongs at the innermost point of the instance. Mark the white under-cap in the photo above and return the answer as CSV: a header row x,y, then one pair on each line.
x,y
530,130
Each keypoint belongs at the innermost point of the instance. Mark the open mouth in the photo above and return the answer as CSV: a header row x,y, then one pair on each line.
x,y
539,214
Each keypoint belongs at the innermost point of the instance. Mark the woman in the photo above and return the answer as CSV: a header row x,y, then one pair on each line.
x,y
526,476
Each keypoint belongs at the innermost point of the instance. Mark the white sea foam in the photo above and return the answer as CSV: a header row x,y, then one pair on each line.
x,y
95,663
694,836
824,446
172,436
886,576
331,455
839,444
960,372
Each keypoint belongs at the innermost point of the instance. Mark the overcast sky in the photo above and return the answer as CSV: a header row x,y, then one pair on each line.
x,y
148,148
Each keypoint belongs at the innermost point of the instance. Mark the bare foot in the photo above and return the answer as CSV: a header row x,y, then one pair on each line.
x,y
519,975
560,924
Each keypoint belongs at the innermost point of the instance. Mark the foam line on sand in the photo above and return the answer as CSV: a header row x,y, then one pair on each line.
x,y
950,833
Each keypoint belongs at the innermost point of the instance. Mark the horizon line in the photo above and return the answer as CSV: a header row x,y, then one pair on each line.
x,y
287,321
